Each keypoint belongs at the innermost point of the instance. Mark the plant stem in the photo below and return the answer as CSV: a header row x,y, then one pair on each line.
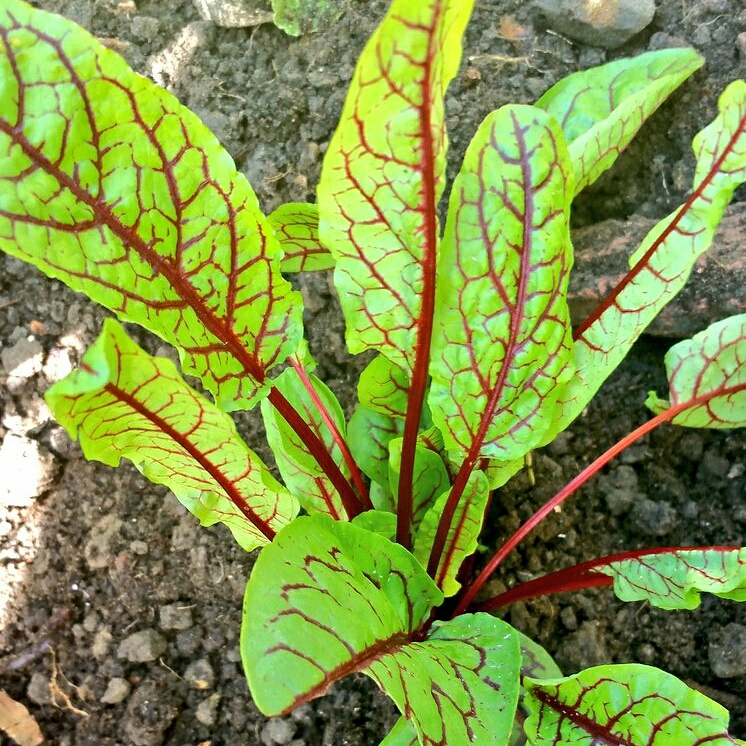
x,y
318,450
577,577
355,475
424,325
563,494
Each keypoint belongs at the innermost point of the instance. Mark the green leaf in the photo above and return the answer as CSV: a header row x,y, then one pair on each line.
x,y
368,436
124,403
601,109
712,362
296,17
499,473
384,172
536,663
460,684
463,533
502,338
429,478
378,521
328,598
662,264
299,469
384,387
675,579
296,227
113,187
630,704
402,734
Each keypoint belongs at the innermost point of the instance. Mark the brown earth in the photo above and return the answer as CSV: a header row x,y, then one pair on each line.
x,y
119,617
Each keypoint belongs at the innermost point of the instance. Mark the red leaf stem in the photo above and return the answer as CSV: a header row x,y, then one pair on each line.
x,y
355,475
577,482
577,577
317,449
418,387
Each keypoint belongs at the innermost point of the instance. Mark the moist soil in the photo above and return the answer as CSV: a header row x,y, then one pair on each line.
x,y
122,616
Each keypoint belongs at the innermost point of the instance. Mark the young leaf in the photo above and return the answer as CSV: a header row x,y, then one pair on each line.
x,y
384,387
113,187
674,579
378,521
629,704
122,402
328,598
368,435
661,266
296,227
299,469
461,541
713,360
429,479
383,175
504,338
601,109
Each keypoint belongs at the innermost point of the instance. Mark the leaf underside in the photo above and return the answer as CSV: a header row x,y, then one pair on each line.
x,y
113,187
123,403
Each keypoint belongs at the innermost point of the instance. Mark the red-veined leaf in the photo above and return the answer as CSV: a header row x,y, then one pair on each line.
x,y
675,579
299,469
624,705
712,361
124,403
328,598
661,266
601,109
296,225
503,336
465,527
113,187
383,175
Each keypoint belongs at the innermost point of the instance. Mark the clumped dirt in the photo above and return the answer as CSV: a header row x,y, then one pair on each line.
x,y
121,615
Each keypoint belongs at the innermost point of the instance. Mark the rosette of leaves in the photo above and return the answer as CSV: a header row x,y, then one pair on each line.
x,y
110,185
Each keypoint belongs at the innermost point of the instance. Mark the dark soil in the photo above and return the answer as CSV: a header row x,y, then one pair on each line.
x,y
102,554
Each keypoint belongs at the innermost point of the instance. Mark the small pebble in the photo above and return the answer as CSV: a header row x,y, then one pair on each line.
x,y
38,689
140,647
278,731
99,550
199,674
654,517
117,690
101,643
24,359
599,24
207,710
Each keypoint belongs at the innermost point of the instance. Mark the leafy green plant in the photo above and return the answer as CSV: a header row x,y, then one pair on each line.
x,y
110,185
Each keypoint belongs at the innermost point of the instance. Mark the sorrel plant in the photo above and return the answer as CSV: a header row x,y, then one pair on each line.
x,y
110,185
